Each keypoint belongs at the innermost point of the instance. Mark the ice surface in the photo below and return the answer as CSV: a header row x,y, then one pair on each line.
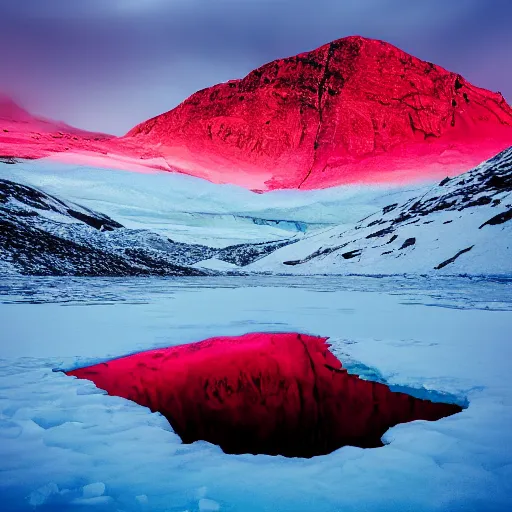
x,y
189,209
64,444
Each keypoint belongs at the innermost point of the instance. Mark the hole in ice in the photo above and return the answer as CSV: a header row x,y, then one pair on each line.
x,y
277,394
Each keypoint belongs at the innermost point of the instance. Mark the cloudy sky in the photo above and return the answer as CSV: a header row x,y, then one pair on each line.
x,y
106,65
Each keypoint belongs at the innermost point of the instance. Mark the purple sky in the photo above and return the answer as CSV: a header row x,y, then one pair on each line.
x,y
106,65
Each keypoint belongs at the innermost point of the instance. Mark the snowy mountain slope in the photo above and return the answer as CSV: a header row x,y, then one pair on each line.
x,y
44,235
164,220
192,210
461,225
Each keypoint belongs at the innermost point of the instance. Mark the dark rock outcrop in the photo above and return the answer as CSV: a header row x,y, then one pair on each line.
x,y
453,258
44,235
352,254
498,219
408,243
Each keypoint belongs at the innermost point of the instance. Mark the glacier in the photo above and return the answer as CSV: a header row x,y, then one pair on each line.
x,y
192,210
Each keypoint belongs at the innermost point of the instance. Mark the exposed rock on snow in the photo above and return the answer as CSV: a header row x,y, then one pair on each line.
x,y
44,235
462,225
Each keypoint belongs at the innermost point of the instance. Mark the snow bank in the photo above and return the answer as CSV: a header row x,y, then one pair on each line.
x,y
62,441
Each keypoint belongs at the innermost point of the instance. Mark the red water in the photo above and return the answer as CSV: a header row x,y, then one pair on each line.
x,y
266,393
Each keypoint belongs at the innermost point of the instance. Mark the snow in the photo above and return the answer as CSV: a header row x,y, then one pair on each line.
x,y
193,210
65,444
215,264
337,230
446,226
435,243
46,235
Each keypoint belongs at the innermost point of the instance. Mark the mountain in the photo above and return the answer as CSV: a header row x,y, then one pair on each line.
x,y
353,110
11,111
24,135
20,119
462,225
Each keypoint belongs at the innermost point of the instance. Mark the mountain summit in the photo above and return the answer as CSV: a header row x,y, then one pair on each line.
x,y
352,111
355,109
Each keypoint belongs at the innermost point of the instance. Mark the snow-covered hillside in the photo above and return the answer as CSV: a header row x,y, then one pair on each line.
x,y
42,234
460,226
151,221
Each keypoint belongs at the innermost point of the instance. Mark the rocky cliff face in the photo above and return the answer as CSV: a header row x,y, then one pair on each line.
x,y
322,117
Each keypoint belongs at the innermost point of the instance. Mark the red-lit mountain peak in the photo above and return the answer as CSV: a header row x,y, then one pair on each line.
x,y
355,109
24,135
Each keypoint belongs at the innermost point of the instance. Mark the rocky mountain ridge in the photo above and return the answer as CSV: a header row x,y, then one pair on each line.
x,y
355,110
322,117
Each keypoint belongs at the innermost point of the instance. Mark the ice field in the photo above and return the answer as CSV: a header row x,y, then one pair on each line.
x,y
65,445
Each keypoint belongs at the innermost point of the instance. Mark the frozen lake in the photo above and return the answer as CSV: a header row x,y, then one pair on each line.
x,y
64,444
